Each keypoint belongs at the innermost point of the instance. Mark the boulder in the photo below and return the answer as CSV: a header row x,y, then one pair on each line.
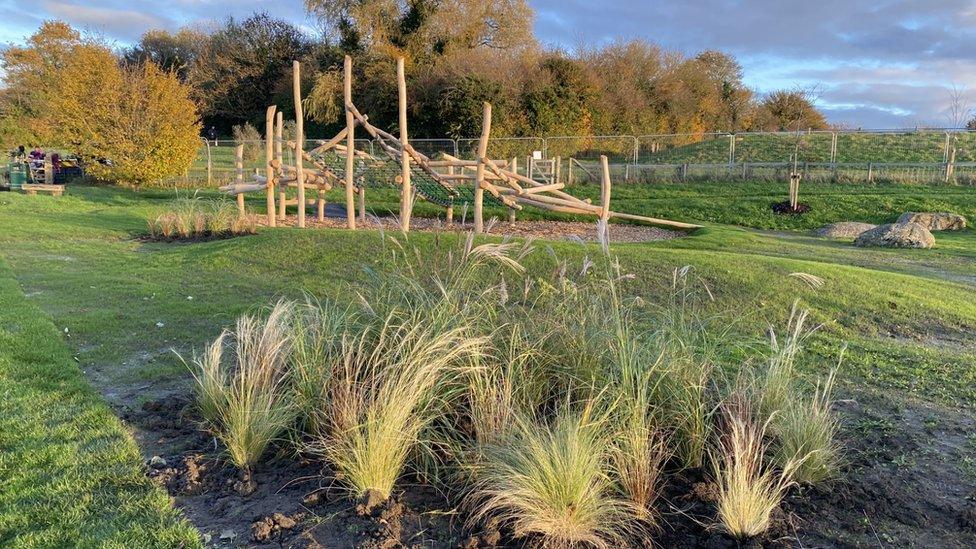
x,y
843,229
897,235
935,221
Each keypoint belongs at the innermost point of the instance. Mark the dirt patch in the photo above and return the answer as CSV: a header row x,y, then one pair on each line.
x,y
910,480
785,208
549,230
203,237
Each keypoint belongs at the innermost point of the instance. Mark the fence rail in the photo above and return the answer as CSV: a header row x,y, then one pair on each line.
x,y
910,155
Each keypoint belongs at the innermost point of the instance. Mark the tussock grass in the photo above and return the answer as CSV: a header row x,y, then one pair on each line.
x,y
383,396
748,490
550,479
807,431
190,218
243,397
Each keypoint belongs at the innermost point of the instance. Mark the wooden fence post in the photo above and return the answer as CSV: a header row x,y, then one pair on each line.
x,y
279,143
239,175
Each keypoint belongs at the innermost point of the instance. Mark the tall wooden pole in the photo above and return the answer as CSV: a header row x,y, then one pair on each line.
x,y
605,189
350,143
299,140
279,143
239,175
479,191
406,190
268,158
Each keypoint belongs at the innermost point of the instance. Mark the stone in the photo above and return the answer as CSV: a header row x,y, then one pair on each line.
x,y
897,235
843,229
157,462
935,221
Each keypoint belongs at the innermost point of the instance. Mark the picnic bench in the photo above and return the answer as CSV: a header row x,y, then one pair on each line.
x,y
34,188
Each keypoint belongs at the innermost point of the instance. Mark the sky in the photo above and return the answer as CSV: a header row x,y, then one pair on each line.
x,y
876,64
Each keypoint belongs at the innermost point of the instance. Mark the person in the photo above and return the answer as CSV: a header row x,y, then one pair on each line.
x,y
212,134
37,154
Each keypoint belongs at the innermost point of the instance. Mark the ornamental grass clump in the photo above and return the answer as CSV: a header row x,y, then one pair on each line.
x,y
387,391
240,387
806,430
749,490
197,218
550,479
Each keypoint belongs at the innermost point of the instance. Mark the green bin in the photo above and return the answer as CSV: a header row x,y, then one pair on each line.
x,y
18,174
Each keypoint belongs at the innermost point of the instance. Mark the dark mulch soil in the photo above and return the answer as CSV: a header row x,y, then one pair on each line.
x,y
784,208
204,237
910,481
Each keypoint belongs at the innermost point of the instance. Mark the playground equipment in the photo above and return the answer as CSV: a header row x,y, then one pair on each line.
x,y
447,181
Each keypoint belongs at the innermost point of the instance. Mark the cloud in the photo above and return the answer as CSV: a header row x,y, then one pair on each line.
x,y
126,24
894,62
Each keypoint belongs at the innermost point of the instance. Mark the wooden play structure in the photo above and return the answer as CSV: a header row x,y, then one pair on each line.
x,y
447,181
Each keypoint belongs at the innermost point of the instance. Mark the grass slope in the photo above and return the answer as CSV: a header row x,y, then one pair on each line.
x,y
908,316
70,474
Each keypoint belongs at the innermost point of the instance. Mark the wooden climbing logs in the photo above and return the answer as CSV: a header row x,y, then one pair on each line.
x,y
350,142
299,139
405,187
279,139
269,158
479,191
239,175
604,189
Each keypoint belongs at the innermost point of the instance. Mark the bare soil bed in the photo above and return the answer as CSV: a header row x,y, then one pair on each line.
x,y
910,481
550,230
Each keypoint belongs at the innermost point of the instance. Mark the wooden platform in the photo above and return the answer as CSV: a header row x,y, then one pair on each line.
x,y
34,188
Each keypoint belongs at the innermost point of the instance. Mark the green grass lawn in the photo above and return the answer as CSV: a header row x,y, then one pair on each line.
x,y
69,471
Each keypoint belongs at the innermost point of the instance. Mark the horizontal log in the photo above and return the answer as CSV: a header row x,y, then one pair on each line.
x,y
655,221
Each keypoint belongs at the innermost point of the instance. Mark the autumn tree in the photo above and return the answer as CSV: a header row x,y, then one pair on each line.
x,y
790,110
31,73
134,124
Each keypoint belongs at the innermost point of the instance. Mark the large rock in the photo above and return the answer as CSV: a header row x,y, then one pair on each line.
x,y
843,229
897,235
935,221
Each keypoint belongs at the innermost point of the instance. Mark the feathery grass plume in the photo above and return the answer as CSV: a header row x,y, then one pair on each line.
x,y
243,398
806,430
748,490
813,281
318,329
388,389
776,383
190,217
551,480
690,342
638,453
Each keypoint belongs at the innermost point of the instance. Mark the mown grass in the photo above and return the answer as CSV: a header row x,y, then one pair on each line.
x,y
909,316
70,474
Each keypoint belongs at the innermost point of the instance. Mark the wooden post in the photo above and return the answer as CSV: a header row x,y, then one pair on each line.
x,y
557,177
450,205
569,168
350,143
405,188
479,191
514,167
268,158
362,204
279,141
239,175
605,189
299,140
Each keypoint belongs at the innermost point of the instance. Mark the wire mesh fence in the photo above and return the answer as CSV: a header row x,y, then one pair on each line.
x,y
886,155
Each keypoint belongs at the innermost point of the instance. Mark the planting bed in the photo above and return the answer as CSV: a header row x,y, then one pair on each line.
x,y
906,461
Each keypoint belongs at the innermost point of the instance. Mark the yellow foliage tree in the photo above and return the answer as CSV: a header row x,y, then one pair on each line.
x,y
134,124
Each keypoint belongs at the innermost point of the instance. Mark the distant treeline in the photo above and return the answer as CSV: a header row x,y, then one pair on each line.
x,y
144,105
460,53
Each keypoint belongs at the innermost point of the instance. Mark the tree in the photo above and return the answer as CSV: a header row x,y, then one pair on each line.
x,y
242,66
791,110
960,110
31,72
170,52
135,123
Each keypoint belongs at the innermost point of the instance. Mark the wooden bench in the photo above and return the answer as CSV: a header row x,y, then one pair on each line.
x,y
34,188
